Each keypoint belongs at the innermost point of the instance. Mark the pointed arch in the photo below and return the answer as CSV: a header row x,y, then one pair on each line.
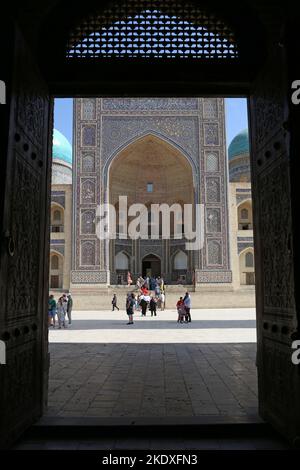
x,y
141,136
56,269
122,261
180,260
244,215
246,263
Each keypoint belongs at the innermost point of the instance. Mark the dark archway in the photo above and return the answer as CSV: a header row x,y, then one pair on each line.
x,y
151,266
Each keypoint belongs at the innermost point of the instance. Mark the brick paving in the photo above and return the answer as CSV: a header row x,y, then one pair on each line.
x,y
100,367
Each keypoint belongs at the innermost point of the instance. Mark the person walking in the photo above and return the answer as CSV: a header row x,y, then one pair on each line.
x,y
143,304
162,301
129,279
114,303
152,282
62,310
129,307
69,308
157,289
51,311
187,306
153,306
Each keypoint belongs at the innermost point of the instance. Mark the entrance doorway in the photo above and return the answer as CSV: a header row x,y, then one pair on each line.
x,y
151,266
275,278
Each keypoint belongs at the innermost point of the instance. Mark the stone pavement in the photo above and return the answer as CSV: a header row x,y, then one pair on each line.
x,y
101,367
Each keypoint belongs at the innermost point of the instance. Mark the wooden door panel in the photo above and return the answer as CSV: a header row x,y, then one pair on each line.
x,y
25,248
278,378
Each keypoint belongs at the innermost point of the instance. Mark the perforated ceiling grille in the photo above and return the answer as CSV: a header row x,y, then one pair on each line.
x,y
154,28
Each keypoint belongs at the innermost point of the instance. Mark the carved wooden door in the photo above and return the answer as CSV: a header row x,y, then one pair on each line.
x,y
278,377
24,249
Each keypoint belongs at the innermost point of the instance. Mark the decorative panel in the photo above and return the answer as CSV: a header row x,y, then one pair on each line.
x,y
275,235
211,134
25,203
213,190
147,105
88,253
89,277
153,29
210,108
243,245
211,161
88,109
58,197
88,136
88,221
214,252
213,220
88,191
215,277
58,247
120,130
88,163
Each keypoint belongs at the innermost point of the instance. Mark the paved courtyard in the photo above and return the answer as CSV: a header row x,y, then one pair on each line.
x,y
101,367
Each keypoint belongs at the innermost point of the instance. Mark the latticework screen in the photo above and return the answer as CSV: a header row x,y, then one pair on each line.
x,y
152,28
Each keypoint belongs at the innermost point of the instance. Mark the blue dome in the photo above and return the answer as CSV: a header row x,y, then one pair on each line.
x,y
239,145
62,149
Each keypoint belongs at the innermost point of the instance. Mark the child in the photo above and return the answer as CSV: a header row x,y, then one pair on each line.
x,y
153,306
180,310
114,303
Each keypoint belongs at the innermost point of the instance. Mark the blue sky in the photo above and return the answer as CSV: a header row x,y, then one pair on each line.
x,y
236,117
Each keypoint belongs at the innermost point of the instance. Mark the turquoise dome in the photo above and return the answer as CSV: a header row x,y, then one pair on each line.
x,y
239,145
62,149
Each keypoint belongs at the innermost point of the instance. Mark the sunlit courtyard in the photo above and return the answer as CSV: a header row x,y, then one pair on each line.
x,y
102,367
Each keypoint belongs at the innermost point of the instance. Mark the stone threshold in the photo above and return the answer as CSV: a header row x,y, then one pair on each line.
x,y
202,427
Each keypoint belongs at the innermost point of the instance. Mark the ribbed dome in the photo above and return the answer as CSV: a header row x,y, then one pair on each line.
x,y
238,156
62,149
239,145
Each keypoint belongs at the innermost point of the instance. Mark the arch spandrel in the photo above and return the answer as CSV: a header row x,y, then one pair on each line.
x,y
120,131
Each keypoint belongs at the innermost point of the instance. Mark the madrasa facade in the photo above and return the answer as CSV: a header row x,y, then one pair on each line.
x,y
153,151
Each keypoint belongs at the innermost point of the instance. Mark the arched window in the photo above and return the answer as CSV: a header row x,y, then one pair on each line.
x,y
121,261
57,216
88,253
180,260
57,220
244,214
249,259
54,262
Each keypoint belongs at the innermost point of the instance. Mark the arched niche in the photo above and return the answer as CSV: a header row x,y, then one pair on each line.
x,y
244,214
121,262
180,261
246,265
